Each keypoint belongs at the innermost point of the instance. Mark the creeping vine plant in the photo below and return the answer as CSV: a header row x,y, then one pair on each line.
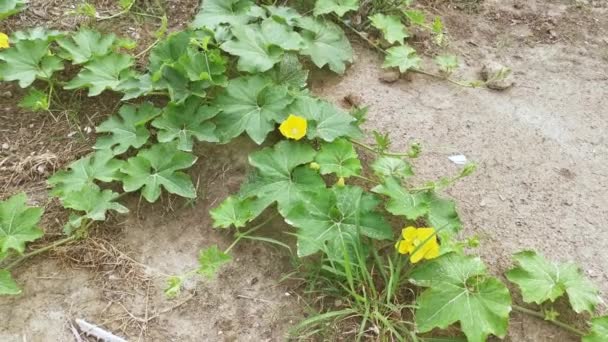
x,y
238,70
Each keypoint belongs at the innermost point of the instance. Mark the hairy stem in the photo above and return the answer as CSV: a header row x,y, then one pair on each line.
x,y
555,322
371,149
55,244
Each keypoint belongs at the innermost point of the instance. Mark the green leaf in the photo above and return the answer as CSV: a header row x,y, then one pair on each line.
x,y
391,27
447,63
28,60
234,211
8,286
101,73
173,287
401,201
82,173
402,57
252,104
442,216
210,260
392,167
158,166
185,122
11,7
599,330
86,44
331,215
280,177
339,157
325,120
283,14
126,129
36,33
135,86
260,47
437,30
459,290
340,7
207,65
216,12
540,280
93,202
326,44
18,223
415,17
35,100
290,72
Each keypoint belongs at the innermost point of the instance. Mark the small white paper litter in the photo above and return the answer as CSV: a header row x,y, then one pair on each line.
x,y
458,159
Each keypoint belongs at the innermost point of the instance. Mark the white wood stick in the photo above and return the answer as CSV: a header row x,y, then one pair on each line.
x,y
97,332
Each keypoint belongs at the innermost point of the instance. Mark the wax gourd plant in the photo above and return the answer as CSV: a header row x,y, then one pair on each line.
x,y
238,70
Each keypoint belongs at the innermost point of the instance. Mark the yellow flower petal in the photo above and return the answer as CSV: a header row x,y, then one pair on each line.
x,y
340,183
294,127
402,247
432,253
409,233
4,44
420,243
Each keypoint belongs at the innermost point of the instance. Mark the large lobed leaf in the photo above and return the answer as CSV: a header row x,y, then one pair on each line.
x,y
158,167
82,173
391,26
251,104
325,43
101,73
339,157
18,224
325,121
340,7
459,290
27,60
281,177
94,202
85,44
260,47
10,7
541,280
127,129
333,215
216,12
210,260
185,122
403,57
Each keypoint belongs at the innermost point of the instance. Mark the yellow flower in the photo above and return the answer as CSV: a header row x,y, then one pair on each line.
x,y
294,127
420,243
4,44
314,166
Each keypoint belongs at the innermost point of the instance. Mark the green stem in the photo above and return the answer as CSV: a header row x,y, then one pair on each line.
x,y
418,71
143,52
371,149
239,236
540,315
40,250
126,10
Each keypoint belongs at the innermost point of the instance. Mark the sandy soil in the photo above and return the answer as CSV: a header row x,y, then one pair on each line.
x,y
543,171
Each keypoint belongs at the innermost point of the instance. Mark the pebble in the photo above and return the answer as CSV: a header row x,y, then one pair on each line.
x,y
389,76
497,76
5,146
88,130
41,169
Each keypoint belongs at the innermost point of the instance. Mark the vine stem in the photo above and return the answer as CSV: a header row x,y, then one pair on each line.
x,y
369,148
242,235
540,315
381,50
41,250
118,14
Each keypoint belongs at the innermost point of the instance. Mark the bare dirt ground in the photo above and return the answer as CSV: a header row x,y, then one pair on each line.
x,y
542,179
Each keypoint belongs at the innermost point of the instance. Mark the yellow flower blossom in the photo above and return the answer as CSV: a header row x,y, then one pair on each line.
x,y
294,127
420,243
4,44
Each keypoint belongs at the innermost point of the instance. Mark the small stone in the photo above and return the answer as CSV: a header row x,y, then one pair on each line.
x,y
71,134
337,303
497,76
7,94
220,332
88,130
389,76
353,100
31,125
287,294
41,169
5,146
